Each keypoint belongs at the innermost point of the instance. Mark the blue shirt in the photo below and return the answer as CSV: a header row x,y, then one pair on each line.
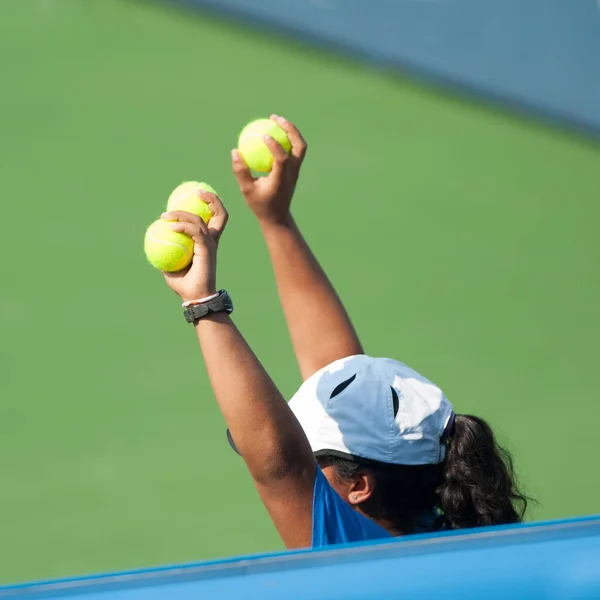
x,y
334,522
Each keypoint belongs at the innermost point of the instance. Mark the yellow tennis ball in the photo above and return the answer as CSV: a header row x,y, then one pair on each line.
x,y
252,144
166,249
185,197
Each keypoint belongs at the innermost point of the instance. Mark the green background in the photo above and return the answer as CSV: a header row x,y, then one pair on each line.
x,y
477,230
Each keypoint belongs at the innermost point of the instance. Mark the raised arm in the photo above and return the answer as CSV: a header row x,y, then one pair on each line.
x,y
265,430
319,326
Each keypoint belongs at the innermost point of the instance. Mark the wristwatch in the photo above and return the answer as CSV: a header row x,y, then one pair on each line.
x,y
220,303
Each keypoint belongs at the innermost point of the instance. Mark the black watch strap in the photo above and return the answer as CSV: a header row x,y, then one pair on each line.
x,y
222,303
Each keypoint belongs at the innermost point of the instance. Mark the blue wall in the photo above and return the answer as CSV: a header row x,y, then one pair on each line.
x,y
538,54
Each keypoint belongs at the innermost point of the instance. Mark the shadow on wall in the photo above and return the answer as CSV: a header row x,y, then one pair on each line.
x,y
540,55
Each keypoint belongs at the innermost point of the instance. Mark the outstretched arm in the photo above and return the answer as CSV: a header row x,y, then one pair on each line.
x,y
265,430
319,326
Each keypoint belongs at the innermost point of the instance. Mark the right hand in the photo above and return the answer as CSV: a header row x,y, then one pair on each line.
x,y
270,197
199,279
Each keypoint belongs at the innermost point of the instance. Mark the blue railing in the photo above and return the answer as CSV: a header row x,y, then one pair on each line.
x,y
558,559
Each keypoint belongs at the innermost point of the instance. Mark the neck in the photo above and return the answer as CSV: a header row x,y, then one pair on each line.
x,y
389,526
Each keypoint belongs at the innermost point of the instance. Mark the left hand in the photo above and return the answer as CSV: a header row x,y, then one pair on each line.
x,y
270,197
199,279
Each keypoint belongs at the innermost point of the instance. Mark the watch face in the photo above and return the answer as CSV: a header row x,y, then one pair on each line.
x,y
195,312
220,304
200,310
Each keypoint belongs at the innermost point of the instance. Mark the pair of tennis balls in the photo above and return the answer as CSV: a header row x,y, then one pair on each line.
x,y
171,251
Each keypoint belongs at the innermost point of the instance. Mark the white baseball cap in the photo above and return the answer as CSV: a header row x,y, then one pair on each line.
x,y
376,409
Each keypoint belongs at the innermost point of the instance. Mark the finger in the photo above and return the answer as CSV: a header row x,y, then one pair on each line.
x,y
197,233
280,156
242,172
299,145
188,223
183,216
220,216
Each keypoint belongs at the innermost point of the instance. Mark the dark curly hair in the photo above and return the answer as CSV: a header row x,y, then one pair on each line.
x,y
473,487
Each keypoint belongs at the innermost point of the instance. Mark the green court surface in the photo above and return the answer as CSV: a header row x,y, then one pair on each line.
x,y
463,240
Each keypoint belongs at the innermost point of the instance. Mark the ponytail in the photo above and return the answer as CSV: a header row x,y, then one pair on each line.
x,y
478,486
473,487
